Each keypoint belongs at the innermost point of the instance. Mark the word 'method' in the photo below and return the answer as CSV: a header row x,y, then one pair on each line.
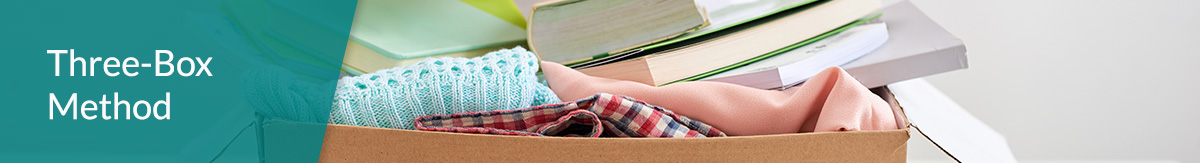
x,y
163,66
140,109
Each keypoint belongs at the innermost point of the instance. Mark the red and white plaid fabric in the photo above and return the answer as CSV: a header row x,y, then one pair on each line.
x,y
602,115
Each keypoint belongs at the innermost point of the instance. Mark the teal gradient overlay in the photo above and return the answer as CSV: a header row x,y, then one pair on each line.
x,y
272,60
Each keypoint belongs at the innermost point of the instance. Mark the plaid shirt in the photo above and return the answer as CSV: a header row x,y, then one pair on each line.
x,y
602,115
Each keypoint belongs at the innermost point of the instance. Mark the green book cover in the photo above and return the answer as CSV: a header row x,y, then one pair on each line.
x,y
413,29
723,15
779,51
252,25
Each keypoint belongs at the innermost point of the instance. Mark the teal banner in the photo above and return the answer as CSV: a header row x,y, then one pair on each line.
x,y
169,81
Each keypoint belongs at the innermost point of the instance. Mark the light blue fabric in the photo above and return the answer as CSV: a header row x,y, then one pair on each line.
x,y
394,98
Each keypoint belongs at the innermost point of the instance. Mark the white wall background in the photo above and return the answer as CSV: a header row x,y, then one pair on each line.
x,y
1077,80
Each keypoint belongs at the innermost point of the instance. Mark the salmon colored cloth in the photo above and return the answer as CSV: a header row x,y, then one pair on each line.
x,y
829,101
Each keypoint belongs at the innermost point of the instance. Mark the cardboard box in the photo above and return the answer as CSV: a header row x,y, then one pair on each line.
x,y
917,106
366,144
952,129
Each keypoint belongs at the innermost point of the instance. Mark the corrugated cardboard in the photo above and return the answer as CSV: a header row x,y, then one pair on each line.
x,y
360,144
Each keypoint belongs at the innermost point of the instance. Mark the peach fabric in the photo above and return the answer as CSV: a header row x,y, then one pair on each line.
x,y
830,101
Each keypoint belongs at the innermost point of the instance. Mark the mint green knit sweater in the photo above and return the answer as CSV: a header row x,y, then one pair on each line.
x,y
394,98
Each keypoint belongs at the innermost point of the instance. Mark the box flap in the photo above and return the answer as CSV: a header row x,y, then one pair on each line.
x,y
945,123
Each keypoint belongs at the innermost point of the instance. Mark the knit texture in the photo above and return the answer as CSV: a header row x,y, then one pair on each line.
x,y
393,98
276,92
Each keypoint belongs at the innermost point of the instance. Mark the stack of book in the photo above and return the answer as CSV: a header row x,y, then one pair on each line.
x,y
766,44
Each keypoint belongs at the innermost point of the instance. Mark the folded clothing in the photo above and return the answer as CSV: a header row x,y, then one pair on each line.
x,y
830,101
392,98
276,92
601,115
